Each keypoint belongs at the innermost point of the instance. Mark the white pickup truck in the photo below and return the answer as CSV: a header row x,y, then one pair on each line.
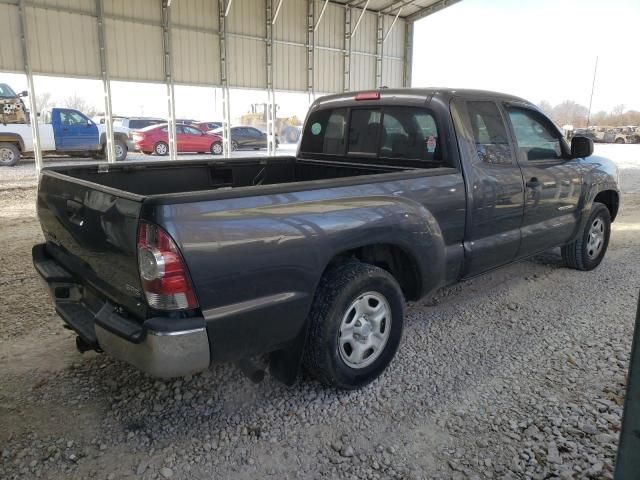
x,y
68,131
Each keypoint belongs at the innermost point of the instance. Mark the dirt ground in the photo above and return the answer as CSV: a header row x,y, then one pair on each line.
x,y
67,415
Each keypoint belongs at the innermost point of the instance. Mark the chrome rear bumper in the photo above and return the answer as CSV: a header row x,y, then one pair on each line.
x,y
160,354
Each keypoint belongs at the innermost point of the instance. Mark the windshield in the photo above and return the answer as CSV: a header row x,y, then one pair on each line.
x,y
5,91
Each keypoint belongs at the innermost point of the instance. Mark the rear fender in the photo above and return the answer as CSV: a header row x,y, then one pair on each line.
x,y
407,225
14,138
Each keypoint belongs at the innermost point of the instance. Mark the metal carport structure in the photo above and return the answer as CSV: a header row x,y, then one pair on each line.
x,y
311,46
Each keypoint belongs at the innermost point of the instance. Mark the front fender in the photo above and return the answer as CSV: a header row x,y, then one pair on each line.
x,y
599,174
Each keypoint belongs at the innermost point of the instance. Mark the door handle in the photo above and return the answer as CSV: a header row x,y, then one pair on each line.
x,y
533,183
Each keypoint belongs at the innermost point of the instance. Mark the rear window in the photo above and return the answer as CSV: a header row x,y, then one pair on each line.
x,y
325,132
389,133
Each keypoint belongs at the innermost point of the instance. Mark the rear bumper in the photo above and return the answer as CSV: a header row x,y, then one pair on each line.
x,y
160,354
160,346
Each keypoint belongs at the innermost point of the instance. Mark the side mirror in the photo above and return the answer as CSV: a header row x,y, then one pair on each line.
x,y
581,147
24,93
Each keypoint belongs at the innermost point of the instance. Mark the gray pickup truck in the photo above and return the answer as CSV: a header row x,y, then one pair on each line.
x,y
276,262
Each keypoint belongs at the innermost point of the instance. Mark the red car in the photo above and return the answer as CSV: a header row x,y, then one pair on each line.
x,y
155,139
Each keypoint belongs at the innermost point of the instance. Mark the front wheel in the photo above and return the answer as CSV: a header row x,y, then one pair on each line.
x,y
9,154
588,250
216,148
355,325
234,145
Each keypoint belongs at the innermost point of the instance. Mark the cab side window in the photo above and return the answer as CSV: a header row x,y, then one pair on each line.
x,y
536,139
489,133
72,118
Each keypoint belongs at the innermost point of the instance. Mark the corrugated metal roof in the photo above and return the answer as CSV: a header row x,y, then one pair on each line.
x,y
63,40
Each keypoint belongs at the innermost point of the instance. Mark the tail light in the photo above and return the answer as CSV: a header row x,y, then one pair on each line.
x,y
163,273
368,96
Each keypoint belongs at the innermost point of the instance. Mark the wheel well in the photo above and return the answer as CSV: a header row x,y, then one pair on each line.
x,y
14,139
389,257
611,200
116,136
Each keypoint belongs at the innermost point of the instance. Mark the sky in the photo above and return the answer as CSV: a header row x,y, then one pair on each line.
x,y
536,49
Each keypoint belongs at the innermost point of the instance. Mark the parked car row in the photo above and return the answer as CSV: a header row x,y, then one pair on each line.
x,y
628,134
155,139
193,138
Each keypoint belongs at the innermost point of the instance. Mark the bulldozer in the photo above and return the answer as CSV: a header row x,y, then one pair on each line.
x,y
288,130
12,108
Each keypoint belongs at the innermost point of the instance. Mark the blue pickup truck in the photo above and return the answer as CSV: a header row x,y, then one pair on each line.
x,y
65,131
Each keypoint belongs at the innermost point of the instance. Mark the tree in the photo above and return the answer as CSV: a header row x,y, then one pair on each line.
x,y
599,118
617,110
546,107
78,103
43,100
570,113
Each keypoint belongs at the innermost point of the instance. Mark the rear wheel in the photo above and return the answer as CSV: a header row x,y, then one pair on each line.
x,y
588,250
121,150
234,145
216,148
355,325
620,140
161,149
9,154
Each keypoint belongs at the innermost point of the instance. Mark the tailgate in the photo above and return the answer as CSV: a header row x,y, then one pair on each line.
x,y
91,231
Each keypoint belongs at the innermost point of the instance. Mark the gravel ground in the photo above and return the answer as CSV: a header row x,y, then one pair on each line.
x,y
516,374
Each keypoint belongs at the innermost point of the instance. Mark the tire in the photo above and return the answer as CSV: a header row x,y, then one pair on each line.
x,y
216,148
340,292
620,140
9,154
161,148
588,250
121,150
234,145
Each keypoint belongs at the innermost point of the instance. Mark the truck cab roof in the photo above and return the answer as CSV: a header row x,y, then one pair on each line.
x,y
417,96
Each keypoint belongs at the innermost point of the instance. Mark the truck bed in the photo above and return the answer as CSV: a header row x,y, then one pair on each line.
x,y
162,178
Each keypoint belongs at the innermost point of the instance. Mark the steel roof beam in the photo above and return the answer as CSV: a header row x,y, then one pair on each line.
x,y
33,120
364,10
393,24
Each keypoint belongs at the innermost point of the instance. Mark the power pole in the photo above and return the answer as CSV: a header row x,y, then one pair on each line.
x,y
593,84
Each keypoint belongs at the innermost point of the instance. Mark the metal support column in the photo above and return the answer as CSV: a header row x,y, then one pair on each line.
x,y
271,114
35,131
311,48
224,82
379,49
106,84
408,54
346,85
168,74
